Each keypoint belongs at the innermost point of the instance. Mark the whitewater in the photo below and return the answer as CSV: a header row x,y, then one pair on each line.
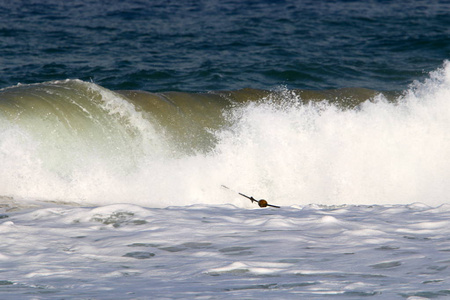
x,y
118,194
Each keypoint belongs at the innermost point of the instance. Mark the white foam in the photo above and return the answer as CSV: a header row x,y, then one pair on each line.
x,y
380,153
222,251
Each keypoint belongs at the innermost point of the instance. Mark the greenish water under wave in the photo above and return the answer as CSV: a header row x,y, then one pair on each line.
x,y
62,111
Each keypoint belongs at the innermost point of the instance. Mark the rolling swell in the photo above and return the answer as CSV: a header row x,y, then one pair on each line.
x,y
65,111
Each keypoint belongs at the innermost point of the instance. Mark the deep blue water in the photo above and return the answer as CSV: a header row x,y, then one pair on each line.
x,y
161,45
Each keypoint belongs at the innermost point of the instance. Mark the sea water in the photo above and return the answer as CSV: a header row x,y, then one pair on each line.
x,y
120,125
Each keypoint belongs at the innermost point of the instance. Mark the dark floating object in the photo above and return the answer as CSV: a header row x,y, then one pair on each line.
x,y
261,202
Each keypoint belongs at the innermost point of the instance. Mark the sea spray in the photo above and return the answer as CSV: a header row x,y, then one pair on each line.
x,y
378,153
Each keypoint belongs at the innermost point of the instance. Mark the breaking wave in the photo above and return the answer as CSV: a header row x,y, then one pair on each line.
x,y
76,141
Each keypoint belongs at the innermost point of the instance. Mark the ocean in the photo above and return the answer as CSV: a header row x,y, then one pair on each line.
x,y
134,136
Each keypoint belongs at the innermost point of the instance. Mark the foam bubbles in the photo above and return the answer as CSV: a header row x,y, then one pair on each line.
x,y
381,152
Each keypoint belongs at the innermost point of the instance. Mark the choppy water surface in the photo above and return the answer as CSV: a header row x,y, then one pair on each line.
x,y
223,45
222,252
